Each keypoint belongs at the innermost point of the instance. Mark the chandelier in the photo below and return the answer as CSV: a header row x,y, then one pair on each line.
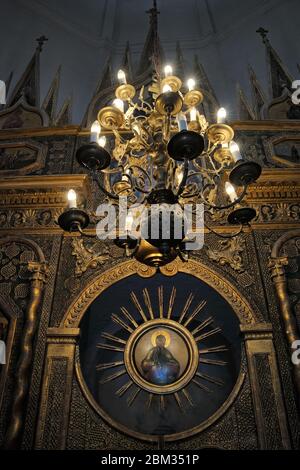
x,y
164,154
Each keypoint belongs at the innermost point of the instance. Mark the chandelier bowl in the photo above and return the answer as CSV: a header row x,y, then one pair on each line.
x,y
93,157
244,173
185,145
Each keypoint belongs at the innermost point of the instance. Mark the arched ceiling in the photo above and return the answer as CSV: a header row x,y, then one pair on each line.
x,y
83,33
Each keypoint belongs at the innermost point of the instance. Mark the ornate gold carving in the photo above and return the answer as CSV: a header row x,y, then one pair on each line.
x,y
257,331
38,272
21,158
229,252
276,266
76,310
87,257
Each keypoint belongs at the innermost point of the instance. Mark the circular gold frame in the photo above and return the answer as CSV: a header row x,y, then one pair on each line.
x,y
192,351
104,280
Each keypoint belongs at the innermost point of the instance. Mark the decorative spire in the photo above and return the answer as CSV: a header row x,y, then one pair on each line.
x,y
263,33
40,42
258,96
29,84
245,111
64,117
126,62
211,103
50,101
279,77
152,52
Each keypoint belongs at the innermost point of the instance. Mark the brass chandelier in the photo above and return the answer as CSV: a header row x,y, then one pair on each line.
x,y
164,153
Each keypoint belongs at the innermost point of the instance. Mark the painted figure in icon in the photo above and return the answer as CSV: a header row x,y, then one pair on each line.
x,y
160,366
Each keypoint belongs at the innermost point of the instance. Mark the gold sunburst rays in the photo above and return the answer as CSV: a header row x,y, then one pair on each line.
x,y
171,302
122,390
130,389
138,306
109,365
114,376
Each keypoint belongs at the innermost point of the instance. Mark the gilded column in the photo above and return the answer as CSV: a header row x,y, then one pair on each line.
x,y
276,266
38,272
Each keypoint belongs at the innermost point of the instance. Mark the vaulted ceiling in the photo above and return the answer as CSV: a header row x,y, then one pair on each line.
x,y
83,33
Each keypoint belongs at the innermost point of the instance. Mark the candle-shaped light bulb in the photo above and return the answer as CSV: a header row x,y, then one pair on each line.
x,y
193,114
221,116
95,131
166,88
168,70
117,103
191,84
235,151
72,199
225,146
181,121
102,141
230,191
129,222
122,77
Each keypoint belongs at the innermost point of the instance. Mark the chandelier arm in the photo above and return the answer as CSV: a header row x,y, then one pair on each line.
x,y
232,235
87,235
184,178
104,190
228,206
147,177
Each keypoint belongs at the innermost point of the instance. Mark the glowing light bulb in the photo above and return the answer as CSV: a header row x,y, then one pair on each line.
x,y
122,77
72,199
230,191
119,104
129,222
95,131
102,141
193,114
168,70
235,151
181,121
221,116
166,88
191,84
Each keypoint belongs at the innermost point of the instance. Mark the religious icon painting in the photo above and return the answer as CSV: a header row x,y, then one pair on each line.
x,y
159,359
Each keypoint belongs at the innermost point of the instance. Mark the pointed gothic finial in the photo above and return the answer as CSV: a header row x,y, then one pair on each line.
x,y
263,33
279,77
153,12
64,117
50,102
126,62
28,85
245,111
258,96
152,52
41,41
211,103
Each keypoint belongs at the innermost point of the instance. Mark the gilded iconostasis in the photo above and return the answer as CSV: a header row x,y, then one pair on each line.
x,y
101,347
